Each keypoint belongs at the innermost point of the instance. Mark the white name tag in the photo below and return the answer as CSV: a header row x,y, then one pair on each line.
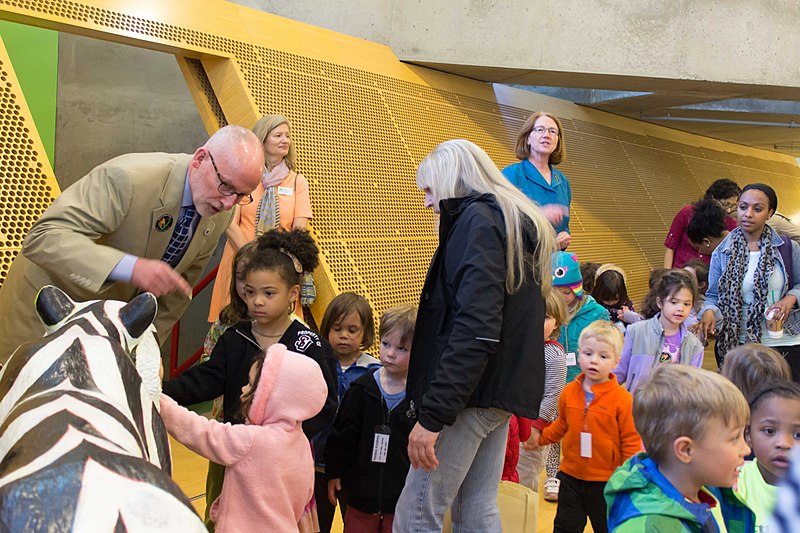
x,y
571,360
586,444
380,446
286,191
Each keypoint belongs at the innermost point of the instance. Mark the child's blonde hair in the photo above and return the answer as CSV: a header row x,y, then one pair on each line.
x,y
401,318
556,308
679,401
604,331
751,366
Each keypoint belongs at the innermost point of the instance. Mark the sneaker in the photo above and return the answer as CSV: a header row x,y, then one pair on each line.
x,y
551,486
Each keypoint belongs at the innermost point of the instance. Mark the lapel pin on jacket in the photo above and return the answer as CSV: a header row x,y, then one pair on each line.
x,y
164,222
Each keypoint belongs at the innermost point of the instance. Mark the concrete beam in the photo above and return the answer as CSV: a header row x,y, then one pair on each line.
x,y
543,42
367,19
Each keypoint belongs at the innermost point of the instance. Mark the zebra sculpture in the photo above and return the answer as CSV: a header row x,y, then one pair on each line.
x,y
82,446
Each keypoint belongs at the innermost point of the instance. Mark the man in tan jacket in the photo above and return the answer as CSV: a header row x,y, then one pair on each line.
x,y
107,235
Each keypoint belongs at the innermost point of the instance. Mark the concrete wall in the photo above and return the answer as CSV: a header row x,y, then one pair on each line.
x,y
114,99
735,41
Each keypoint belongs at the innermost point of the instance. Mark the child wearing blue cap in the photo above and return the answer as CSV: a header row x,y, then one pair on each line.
x,y
582,310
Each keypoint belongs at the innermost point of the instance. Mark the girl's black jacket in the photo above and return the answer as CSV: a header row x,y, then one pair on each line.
x,y
475,345
228,368
370,487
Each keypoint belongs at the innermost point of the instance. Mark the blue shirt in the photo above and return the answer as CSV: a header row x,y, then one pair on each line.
x,y
392,400
530,181
365,363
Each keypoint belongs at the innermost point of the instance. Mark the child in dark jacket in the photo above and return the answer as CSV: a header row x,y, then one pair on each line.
x,y
366,455
349,327
272,283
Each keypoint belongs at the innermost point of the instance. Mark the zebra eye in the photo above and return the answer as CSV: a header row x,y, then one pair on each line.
x,y
560,272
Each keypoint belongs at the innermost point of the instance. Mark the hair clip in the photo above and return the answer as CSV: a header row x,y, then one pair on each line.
x,y
297,265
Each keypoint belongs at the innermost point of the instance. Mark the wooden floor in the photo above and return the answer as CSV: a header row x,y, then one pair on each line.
x,y
190,469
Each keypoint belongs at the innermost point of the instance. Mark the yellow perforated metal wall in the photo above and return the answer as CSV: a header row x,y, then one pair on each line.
x,y
27,184
362,122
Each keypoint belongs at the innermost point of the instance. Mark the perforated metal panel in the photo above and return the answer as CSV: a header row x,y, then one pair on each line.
x,y
27,185
361,133
204,92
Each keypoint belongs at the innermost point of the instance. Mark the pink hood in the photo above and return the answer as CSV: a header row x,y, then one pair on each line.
x,y
291,389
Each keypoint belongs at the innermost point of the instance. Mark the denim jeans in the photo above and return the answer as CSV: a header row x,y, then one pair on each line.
x,y
471,453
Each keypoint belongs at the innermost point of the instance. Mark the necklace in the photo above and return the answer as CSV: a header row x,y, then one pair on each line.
x,y
256,331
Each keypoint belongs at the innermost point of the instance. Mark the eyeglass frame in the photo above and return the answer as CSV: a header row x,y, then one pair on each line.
x,y
542,129
729,208
226,189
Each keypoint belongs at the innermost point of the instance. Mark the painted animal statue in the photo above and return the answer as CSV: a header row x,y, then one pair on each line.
x,y
82,446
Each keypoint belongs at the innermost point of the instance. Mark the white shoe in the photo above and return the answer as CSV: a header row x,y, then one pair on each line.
x,y
551,486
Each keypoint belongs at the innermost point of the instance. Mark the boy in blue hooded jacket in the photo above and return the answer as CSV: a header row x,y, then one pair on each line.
x,y
692,425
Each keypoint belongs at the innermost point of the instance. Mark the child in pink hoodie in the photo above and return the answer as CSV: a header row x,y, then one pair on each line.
x,y
270,471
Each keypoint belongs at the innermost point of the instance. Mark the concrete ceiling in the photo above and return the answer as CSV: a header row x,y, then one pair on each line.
x,y
766,117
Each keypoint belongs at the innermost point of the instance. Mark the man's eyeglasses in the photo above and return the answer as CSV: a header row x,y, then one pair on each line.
x,y
227,189
541,129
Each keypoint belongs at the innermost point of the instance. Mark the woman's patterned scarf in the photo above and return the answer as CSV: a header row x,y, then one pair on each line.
x,y
268,214
730,288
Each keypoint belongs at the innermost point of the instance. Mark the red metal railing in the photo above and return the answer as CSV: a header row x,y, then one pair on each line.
x,y
174,369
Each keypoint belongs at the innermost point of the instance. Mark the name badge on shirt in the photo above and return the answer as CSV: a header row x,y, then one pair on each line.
x,y
286,191
571,360
586,444
380,446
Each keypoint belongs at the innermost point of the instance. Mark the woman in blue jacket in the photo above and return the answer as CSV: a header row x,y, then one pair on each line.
x,y
478,349
540,146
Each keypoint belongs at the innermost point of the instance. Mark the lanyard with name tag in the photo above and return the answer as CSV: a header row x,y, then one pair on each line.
x,y
586,444
380,446
571,359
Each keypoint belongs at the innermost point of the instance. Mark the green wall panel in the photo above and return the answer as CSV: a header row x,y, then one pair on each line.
x,y
34,55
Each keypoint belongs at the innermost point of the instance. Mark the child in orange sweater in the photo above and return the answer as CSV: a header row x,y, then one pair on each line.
x,y
595,419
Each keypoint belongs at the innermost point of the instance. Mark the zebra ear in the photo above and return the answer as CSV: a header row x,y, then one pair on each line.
x,y
53,305
138,314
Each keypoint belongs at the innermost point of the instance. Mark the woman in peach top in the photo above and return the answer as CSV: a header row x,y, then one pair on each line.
x,y
281,200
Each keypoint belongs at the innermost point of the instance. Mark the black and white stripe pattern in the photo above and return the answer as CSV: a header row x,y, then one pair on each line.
x,y
82,446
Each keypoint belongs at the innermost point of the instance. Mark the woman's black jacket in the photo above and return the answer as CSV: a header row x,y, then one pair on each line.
x,y
475,345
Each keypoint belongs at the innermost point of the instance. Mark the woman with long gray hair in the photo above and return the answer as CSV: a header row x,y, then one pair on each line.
x,y
477,353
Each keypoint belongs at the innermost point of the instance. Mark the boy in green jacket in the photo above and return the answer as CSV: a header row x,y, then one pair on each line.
x,y
692,425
